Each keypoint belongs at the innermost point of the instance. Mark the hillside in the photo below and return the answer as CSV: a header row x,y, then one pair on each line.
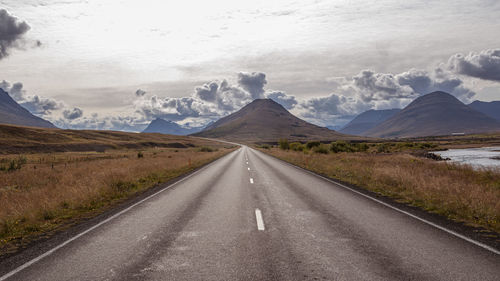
x,y
18,139
168,127
492,109
367,120
435,114
12,113
265,120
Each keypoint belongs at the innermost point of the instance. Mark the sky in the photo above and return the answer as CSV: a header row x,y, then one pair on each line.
x,y
109,64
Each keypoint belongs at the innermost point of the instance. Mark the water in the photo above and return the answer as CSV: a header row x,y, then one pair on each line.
x,y
476,157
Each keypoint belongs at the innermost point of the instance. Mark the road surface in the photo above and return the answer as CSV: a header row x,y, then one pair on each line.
x,y
248,216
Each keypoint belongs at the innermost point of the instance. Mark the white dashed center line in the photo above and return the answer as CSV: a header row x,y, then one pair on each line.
x,y
248,168
251,180
260,220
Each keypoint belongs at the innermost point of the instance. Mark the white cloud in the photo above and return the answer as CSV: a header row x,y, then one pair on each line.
x,y
484,64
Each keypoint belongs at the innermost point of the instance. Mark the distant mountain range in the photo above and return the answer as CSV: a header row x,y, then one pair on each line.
x,y
434,114
13,113
266,120
492,108
367,120
168,127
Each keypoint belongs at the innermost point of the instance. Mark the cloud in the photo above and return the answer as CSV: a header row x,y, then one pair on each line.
x,y
11,32
72,114
253,83
209,101
484,65
423,82
285,100
15,91
207,92
40,105
371,90
96,122
140,93
37,105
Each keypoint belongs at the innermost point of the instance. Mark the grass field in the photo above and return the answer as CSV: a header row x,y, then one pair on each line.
x,y
455,191
41,193
17,139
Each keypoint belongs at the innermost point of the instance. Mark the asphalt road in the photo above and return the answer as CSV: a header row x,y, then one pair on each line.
x,y
249,216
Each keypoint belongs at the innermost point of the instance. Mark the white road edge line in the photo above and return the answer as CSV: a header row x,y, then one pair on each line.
x,y
449,231
260,220
51,251
251,180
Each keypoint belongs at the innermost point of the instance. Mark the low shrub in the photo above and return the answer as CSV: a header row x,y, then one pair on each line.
x,y
283,143
322,149
312,144
15,164
297,146
206,149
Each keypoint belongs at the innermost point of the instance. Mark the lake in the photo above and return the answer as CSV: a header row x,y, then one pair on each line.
x,y
476,157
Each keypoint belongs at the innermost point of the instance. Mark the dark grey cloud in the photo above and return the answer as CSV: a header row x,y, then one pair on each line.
x,y
285,100
41,105
73,113
373,86
15,91
484,65
11,32
423,82
140,93
208,91
372,90
35,104
209,101
253,83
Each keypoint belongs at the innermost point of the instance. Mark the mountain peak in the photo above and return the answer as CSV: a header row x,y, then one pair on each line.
x,y
435,114
168,127
13,113
266,120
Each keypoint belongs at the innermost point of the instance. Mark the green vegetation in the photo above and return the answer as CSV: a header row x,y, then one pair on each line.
x,y
207,149
346,146
312,144
283,144
14,164
297,146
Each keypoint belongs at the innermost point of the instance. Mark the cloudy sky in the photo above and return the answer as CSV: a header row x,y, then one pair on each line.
x,y
112,64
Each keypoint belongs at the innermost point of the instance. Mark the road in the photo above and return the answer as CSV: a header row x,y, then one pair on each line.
x,y
248,216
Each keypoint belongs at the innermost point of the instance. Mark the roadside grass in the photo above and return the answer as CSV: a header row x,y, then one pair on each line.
x,y
51,191
457,192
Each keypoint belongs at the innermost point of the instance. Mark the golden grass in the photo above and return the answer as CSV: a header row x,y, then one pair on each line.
x,y
53,190
18,139
455,191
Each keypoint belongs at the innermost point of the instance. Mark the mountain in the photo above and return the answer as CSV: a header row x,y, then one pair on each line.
x,y
168,127
367,120
434,114
12,113
266,120
492,109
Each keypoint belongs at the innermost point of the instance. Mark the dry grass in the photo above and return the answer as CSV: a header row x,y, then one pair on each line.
x,y
53,190
18,139
457,192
